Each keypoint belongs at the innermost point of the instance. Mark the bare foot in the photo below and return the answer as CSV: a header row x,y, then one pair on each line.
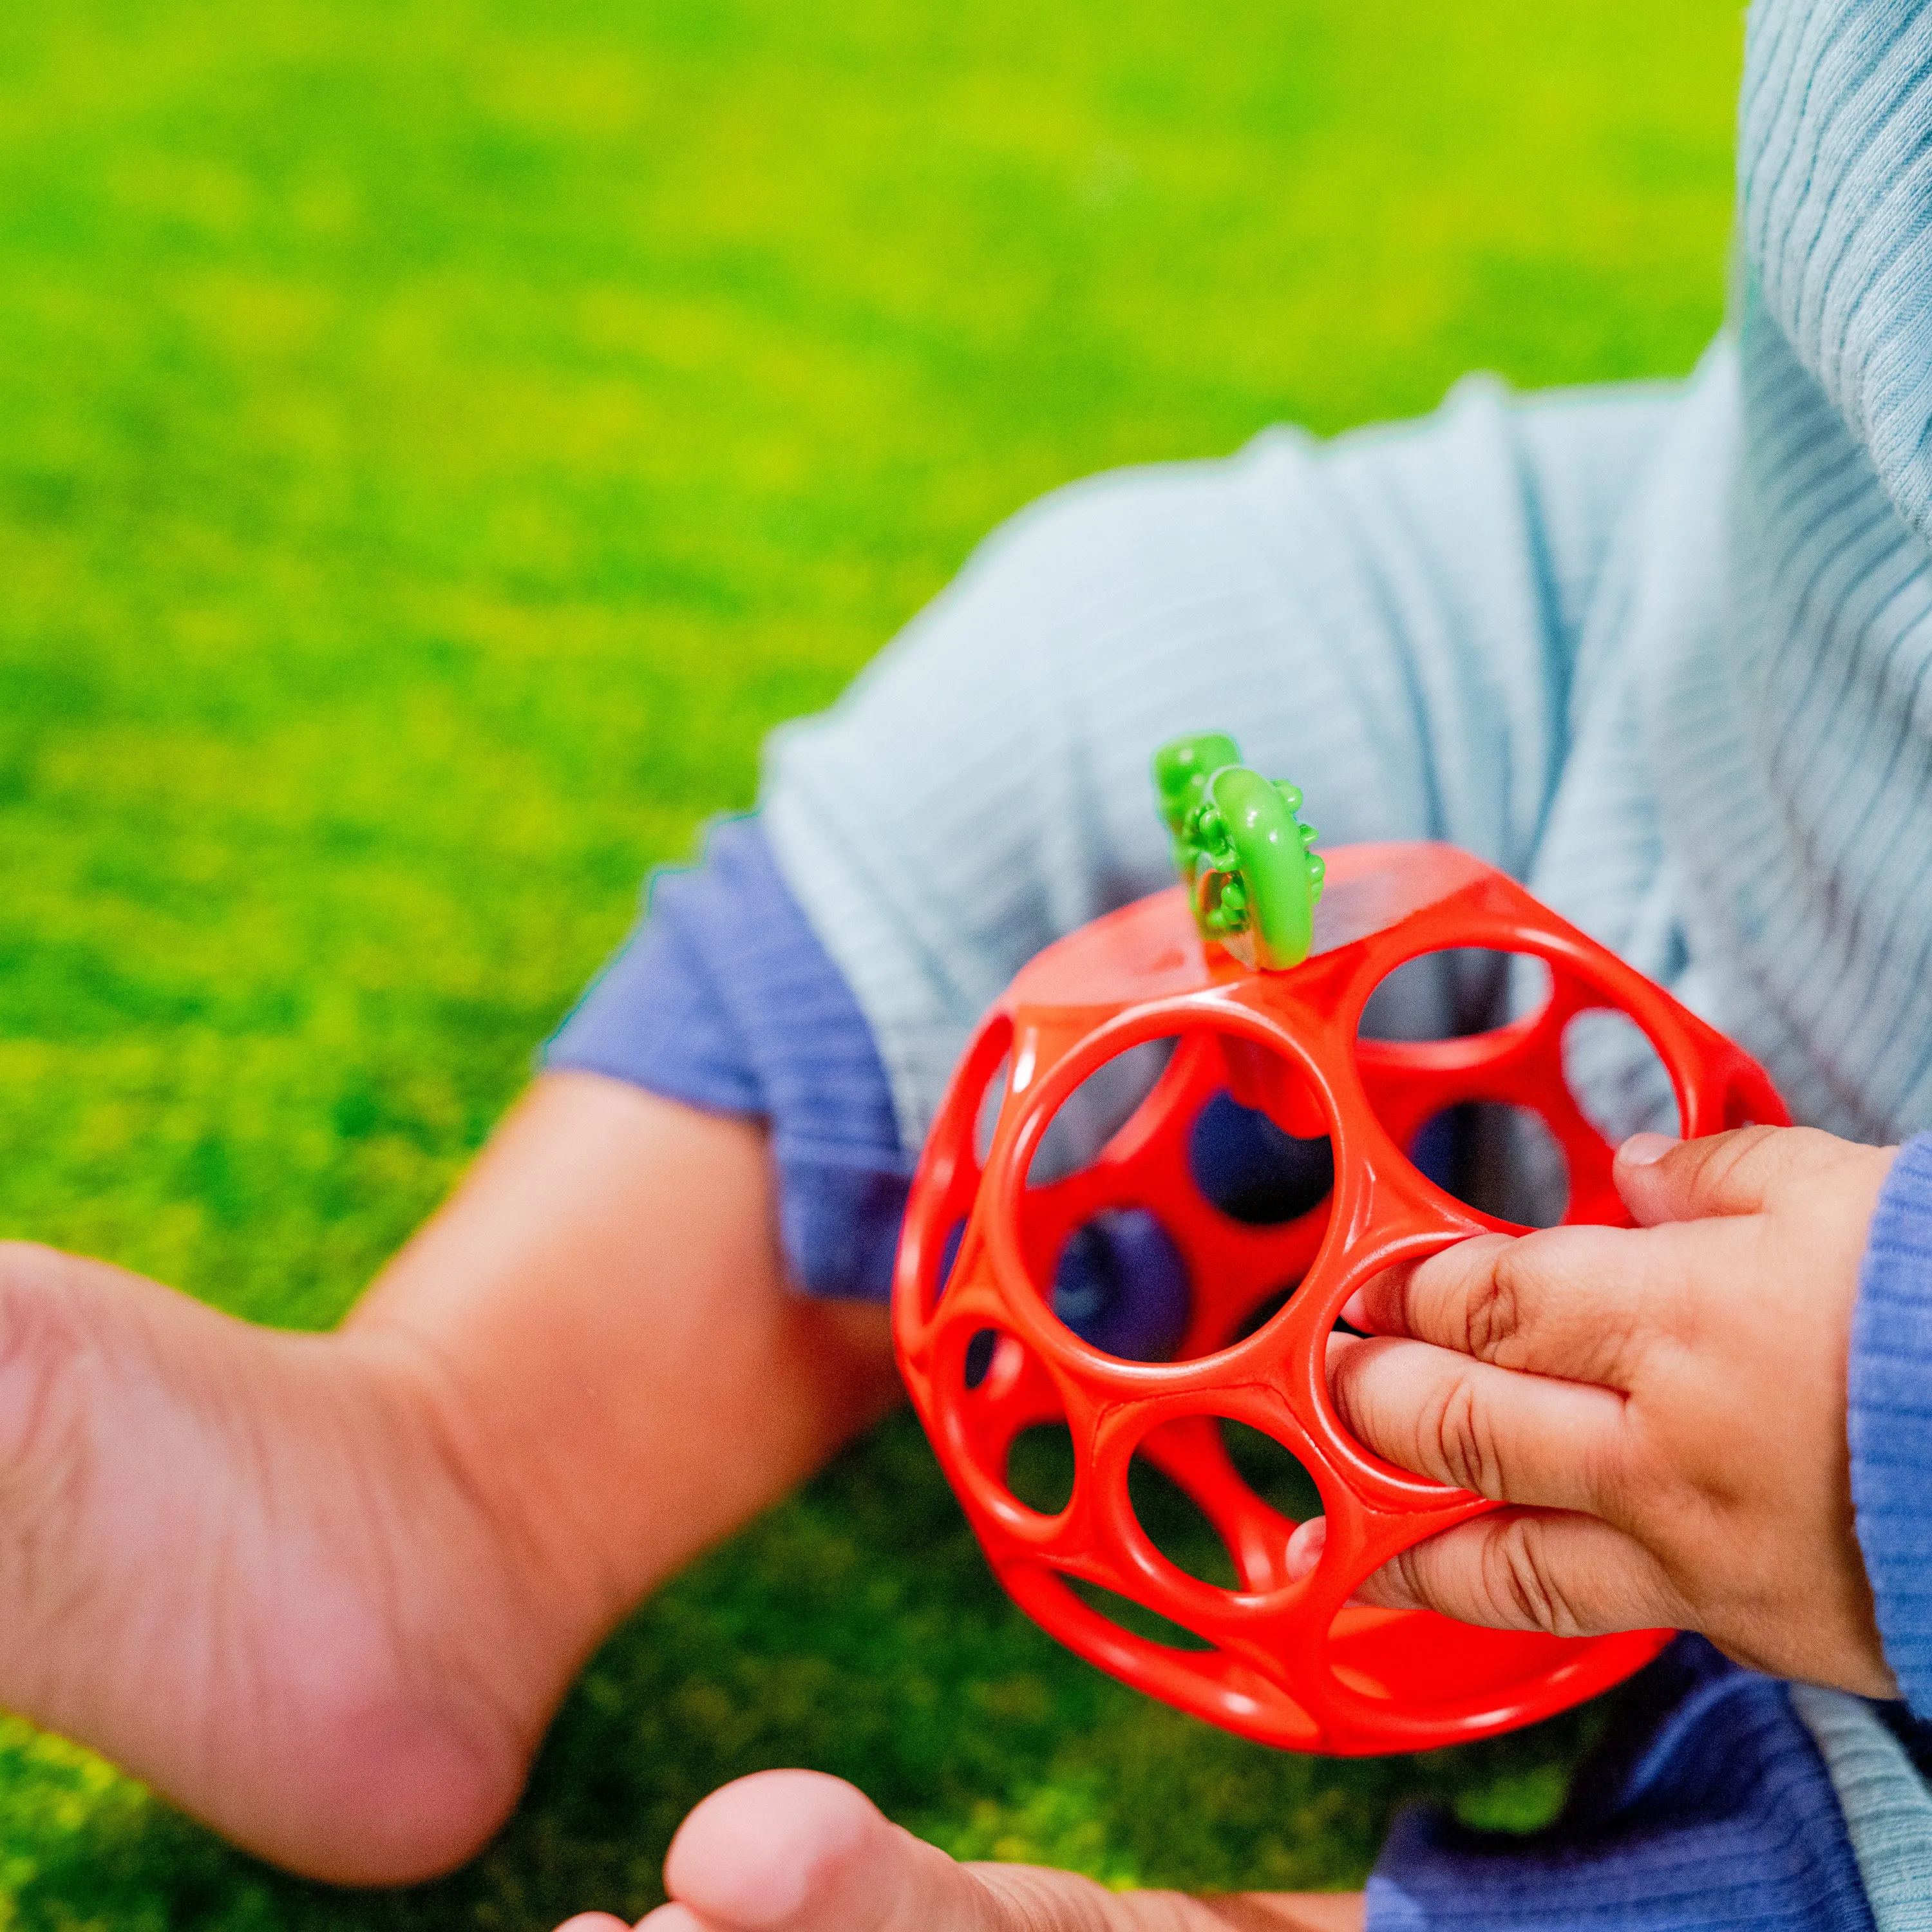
x,y
255,1569
792,1851
325,1591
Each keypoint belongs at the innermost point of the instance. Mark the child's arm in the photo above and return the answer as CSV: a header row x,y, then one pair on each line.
x,y
1665,1404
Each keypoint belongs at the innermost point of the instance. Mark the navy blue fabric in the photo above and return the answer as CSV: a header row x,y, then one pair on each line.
x,y
723,997
1891,1419
1707,1805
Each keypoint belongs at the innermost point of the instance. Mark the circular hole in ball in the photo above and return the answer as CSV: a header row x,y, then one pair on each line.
x,y
1272,1470
1136,1619
1501,1160
1123,1251
1121,1284
980,1351
1454,993
1212,1495
1098,1110
949,1255
988,1118
1177,1526
1253,1171
1040,1466
1617,1077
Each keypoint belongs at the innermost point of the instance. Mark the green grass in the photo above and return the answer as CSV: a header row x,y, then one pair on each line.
x,y
436,440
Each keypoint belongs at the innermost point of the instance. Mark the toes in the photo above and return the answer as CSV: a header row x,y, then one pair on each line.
x,y
793,1851
1305,1547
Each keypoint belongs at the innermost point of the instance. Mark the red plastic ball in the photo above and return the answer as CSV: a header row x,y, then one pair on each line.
x,y
1290,1661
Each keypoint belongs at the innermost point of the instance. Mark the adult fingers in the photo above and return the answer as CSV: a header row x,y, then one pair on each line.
x,y
1568,1575
1516,1438
791,1851
1568,1301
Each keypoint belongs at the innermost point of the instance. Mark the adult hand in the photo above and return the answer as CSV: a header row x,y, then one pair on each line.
x,y
1663,1406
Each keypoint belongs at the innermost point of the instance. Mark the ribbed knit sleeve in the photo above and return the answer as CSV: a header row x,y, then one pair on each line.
x,y
723,997
1835,169
1707,1805
1891,1419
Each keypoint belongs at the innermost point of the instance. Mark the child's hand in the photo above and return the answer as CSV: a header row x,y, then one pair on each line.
x,y
1665,1403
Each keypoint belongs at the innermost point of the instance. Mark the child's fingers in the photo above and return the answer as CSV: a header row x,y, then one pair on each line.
x,y
1736,1173
1516,1439
1568,1302
1571,1575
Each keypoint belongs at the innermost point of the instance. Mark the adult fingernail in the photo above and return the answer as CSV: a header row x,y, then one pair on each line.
x,y
1646,1150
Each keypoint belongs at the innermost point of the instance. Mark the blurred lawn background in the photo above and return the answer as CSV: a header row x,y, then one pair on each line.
x,y
437,439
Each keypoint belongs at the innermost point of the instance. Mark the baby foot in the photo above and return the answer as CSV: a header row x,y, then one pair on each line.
x,y
256,1569
792,1851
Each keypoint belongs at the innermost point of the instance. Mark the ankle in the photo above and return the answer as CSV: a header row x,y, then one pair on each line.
x,y
423,1691
523,1513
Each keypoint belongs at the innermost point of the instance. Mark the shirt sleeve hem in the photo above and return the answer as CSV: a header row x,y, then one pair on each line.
x,y
1890,1419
